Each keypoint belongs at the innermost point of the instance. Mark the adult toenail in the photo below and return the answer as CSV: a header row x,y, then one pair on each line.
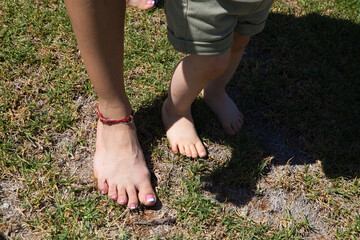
x,y
102,192
133,206
121,201
151,2
150,198
113,197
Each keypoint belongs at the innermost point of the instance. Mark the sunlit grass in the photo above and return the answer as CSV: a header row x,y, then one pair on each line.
x,y
300,75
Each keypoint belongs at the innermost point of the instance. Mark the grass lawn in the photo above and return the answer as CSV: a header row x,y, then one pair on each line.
x,y
292,173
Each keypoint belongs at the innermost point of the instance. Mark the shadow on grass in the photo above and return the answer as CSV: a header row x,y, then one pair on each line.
x,y
308,89
298,86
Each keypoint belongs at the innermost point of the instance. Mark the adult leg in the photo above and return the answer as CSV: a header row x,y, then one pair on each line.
x,y
119,164
215,95
190,76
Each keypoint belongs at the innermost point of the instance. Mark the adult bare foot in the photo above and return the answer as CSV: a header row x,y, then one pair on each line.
x,y
181,133
142,4
120,167
225,109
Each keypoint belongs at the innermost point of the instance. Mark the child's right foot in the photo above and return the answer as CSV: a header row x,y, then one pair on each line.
x,y
142,4
181,133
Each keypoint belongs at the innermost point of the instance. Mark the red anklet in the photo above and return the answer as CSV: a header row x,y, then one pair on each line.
x,y
127,120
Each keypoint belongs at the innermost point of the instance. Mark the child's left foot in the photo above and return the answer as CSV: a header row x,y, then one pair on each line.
x,y
225,109
181,133
142,4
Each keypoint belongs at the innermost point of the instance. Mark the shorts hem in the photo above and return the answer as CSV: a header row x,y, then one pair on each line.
x,y
249,29
199,47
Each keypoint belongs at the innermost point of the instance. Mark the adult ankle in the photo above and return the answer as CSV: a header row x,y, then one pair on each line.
x,y
115,110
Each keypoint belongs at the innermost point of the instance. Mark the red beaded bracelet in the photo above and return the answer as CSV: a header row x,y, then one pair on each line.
x,y
127,120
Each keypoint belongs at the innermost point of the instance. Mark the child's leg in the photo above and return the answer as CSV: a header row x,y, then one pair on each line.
x,y
119,164
191,75
215,95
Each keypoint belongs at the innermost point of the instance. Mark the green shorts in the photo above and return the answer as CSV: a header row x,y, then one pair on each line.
x,y
206,27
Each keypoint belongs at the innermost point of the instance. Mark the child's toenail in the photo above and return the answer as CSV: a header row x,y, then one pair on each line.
x,y
113,197
151,2
133,206
150,198
121,201
103,192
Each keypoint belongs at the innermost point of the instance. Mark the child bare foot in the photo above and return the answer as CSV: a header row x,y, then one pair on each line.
x,y
225,109
181,133
120,167
142,4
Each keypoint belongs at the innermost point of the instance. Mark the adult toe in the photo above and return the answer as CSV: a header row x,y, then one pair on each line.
x,y
103,186
122,198
112,193
147,195
133,201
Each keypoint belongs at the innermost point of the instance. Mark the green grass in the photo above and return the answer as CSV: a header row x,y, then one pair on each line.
x,y
299,82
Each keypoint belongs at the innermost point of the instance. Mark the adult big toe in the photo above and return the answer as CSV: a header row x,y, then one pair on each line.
x,y
147,195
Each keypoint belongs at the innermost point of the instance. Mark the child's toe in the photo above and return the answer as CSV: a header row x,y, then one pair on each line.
x,y
188,151
200,149
174,148
229,130
194,153
181,150
236,126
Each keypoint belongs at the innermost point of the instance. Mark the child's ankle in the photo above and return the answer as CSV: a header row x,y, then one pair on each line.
x,y
172,109
213,91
